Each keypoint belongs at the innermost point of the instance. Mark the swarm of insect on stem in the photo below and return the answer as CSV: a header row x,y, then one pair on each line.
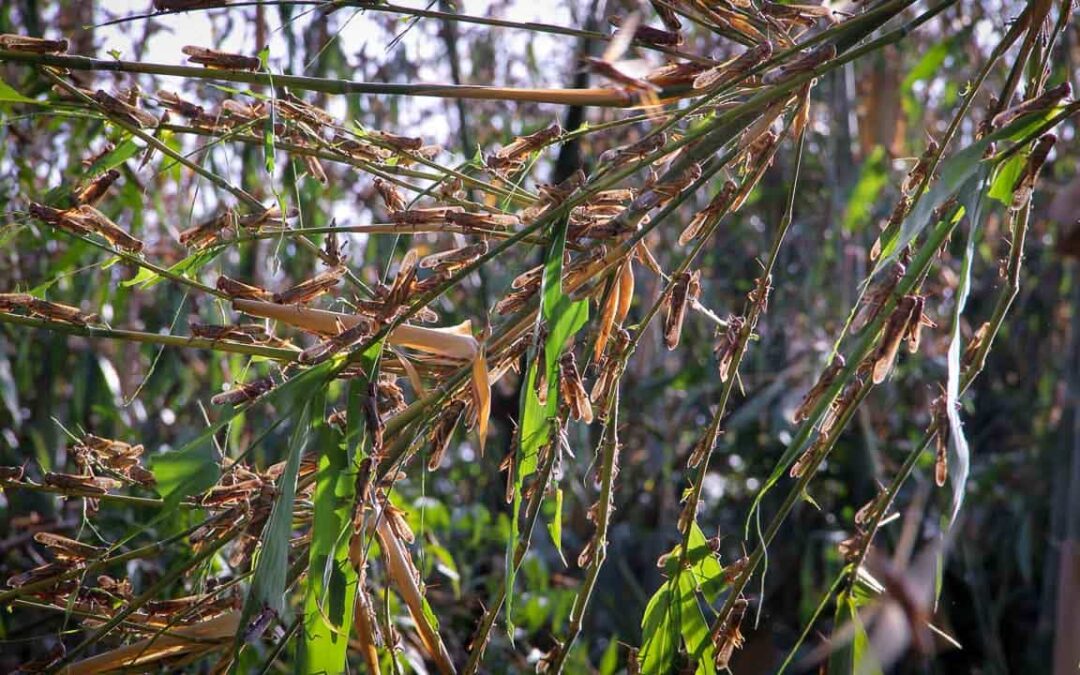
x,y
727,637
91,192
219,60
727,341
876,297
309,289
828,376
685,288
903,322
1025,184
244,392
1044,101
573,390
512,157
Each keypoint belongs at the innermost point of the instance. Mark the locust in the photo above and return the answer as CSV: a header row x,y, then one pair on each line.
x,y
340,342
237,289
1025,184
248,391
727,344
59,312
95,221
805,63
89,484
300,110
455,258
649,35
391,196
634,151
511,158
65,548
309,289
667,15
92,192
796,15
136,117
423,216
828,376
442,431
685,289
251,333
396,142
219,60
57,218
708,216
207,232
244,112
918,172
489,221
572,389
607,67
728,637
736,68
172,101
1048,99
359,149
32,45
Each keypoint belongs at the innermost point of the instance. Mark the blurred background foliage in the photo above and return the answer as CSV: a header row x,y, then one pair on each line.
x,y
869,120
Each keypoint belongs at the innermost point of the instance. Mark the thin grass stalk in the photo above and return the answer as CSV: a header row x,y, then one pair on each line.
x,y
608,467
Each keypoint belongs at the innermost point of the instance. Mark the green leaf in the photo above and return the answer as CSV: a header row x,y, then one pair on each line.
x,y
872,179
694,628
659,633
271,569
555,526
9,95
1005,178
332,580
127,149
564,318
707,570
147,278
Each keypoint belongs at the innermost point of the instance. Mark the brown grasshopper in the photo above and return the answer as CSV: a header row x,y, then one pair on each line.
x,y
218,60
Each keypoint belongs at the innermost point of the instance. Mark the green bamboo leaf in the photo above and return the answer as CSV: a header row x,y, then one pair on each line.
x,y
707,570
9,95
659,633
1005,178
695,629
331,579
124,151
189,266
564,318
555,526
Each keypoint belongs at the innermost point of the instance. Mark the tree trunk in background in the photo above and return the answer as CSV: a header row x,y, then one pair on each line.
x,y
1067,625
